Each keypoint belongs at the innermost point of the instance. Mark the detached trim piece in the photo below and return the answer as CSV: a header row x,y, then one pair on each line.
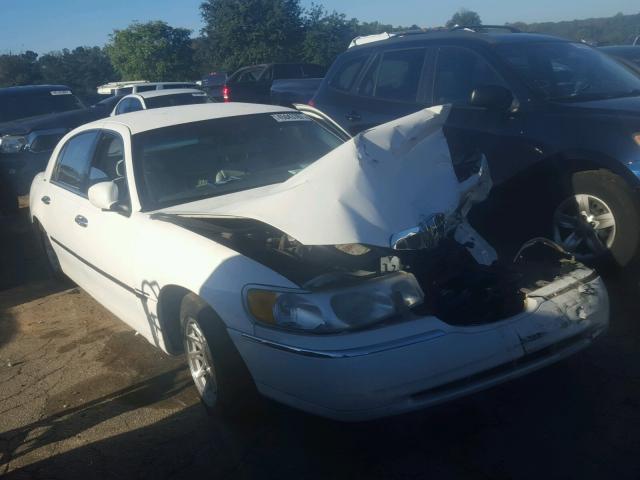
x,y
134,291
351,352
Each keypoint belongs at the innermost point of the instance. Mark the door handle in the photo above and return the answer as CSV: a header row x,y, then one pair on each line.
x,y
46,200
353,116
82,221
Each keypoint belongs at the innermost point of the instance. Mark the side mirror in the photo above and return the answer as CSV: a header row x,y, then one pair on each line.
x,y
492,97
103,195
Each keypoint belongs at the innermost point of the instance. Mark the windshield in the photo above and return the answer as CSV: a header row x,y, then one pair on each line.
x,y
177,99
566,71
24,105
192,161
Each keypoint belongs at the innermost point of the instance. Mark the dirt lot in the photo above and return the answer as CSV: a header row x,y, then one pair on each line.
x,y
81,396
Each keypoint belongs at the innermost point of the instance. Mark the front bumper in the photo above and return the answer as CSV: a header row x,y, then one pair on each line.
x,y
419,363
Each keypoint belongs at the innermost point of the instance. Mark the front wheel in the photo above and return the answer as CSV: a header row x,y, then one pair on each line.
x,y
599,222
218,371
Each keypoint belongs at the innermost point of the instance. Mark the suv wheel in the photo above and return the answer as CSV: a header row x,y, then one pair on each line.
x,y
220,375
600,221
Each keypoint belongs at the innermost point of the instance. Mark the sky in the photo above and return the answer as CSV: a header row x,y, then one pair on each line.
x,y
45,25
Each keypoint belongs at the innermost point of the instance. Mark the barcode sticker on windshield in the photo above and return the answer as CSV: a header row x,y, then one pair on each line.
x,y
290,117
60,92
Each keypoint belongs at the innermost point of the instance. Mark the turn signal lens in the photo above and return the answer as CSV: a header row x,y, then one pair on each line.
x,y
261,303
636,138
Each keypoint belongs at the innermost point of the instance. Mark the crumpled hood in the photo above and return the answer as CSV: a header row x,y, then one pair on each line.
x,y
383,181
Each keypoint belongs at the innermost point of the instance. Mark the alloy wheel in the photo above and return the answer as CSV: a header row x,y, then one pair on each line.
x,y
585,226
200,362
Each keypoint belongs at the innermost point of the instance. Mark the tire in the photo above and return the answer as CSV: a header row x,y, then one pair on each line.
x,y
598,219
221,377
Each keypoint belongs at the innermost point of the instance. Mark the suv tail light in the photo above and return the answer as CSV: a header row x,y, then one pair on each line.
x,y
226,93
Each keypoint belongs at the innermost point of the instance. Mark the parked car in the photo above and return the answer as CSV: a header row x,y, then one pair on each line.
x,y
160,99
558,120
111,87
140,87
233,233
628,53
213,84
253,84
26,143
290,92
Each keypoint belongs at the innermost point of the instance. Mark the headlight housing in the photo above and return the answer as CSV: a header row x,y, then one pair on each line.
x,y
12,143
345,308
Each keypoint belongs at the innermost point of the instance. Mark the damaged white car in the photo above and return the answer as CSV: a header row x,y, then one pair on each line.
x,y
335,275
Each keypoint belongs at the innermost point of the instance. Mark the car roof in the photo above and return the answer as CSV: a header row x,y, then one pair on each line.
x,y
165,92
488,38
31,89
144,120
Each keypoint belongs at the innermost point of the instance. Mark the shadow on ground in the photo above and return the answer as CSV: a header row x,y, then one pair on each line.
x,y
579,419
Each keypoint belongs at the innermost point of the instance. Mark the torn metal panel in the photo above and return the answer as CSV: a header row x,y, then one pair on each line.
x,y
386,180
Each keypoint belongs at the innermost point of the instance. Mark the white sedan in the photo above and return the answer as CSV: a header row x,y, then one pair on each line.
x,y
159,99
336,275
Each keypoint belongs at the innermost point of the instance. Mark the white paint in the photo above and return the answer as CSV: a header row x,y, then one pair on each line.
x,y
146,256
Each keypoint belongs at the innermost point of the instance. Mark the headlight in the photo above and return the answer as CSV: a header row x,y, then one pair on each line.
x,y
636,138
347,308
12,143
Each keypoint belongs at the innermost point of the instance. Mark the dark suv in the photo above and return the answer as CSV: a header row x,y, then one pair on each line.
x,y
558,121
32,120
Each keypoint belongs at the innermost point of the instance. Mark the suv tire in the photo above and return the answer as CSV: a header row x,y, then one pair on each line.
x,y
599,220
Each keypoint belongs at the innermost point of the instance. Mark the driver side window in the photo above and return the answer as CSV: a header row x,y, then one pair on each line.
x,y
458,72
109,165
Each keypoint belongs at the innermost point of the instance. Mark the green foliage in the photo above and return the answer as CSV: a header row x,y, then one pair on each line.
x,y
464,17
617,30
245,32
21,69
82,69
326,35
152,51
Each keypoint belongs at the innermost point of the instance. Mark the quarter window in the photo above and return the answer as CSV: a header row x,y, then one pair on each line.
x,y
73,162
459,71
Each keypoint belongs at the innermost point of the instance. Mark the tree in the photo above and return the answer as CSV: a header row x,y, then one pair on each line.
x,y
326,35
464,17
82,69
152,51
245,32
20,69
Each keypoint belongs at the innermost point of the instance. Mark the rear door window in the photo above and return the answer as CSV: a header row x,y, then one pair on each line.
x,y
72,169
347,73
128,105
458,72
398,75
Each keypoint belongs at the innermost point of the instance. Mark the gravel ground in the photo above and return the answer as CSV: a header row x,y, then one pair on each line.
x,y
82,396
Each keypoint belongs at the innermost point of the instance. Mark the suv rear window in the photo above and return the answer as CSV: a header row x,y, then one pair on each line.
x,y
347,73
30,104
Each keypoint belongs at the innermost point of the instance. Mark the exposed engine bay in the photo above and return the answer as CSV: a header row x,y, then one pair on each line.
x,y
457,289
389,200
